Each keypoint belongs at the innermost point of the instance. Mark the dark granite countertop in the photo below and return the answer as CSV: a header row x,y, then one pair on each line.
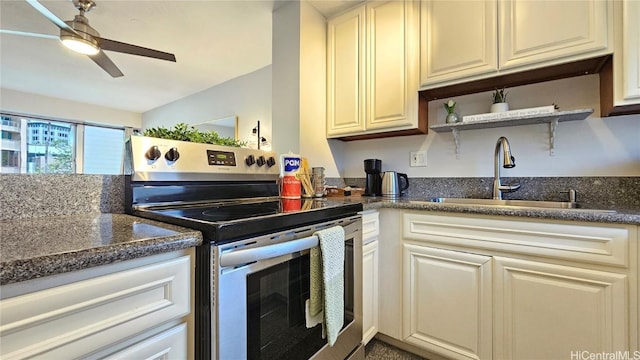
x,y
591,213
38,247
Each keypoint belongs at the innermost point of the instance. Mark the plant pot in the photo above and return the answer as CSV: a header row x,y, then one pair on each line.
x,y
499,107
452,118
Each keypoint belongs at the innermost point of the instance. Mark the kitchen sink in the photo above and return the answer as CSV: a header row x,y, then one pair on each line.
x,y
513,203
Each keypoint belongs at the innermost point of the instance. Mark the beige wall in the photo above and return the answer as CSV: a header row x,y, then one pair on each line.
x,y
285,57
44,106
313,92
592,147
247,96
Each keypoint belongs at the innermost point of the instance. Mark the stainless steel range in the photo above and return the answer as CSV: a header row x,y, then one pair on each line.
x,y
252,272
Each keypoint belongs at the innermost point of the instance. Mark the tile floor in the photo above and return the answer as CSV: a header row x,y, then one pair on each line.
x,y
378,350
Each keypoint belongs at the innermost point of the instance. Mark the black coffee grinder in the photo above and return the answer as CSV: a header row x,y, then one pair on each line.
x,y
373,169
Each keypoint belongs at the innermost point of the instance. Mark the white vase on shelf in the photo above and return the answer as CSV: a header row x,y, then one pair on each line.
x,y
499,107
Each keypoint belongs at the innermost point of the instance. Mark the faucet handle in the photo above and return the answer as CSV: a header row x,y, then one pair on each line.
x,y
572,193
510,188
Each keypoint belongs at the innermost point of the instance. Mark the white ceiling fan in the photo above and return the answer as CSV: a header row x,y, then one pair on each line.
x,y
78,36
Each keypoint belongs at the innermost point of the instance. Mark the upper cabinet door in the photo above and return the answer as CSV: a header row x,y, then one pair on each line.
x,y
393,64
542,31
631,50
458,40
346,73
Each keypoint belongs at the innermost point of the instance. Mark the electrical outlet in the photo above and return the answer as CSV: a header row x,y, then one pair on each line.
x,y
418,158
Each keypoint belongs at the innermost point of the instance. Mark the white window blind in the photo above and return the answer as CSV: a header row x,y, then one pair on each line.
x,y
103,150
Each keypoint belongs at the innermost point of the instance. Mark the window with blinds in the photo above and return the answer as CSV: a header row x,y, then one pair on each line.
x,y
36,145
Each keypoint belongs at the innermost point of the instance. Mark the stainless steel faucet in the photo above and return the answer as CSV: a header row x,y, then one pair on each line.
x,y
508,162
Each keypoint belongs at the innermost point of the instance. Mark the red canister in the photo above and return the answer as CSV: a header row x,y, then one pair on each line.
x,y
290,186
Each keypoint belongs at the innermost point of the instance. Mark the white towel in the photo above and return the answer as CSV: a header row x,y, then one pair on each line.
x,y
330,299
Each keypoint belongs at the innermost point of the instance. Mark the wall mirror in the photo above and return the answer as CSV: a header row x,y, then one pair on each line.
x,y
225,127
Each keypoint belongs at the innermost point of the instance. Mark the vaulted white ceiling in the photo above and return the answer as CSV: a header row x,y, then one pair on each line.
x,y
213,41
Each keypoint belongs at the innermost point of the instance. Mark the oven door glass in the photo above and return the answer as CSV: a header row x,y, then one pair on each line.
x,y
276,296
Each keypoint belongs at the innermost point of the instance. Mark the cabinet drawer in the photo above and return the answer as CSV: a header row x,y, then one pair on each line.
x,y
75,319
169,344
576,241
370,227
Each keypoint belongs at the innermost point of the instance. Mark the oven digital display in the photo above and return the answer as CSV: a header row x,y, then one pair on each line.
x,y
222,158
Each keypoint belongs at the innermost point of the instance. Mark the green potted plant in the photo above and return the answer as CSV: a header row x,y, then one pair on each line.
x,y
184,132
499,101
452,116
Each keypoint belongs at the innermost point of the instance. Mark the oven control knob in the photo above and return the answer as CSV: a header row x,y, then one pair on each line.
x,y
250,160
271,161
261,161
153,153
172,154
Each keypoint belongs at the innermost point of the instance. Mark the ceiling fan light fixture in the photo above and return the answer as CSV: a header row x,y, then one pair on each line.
x,y
80,45
82,39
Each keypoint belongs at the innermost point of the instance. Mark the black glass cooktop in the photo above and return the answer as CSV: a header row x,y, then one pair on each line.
x,y
223,222
221,212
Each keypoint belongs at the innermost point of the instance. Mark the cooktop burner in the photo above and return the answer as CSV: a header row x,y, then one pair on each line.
x,y
222,212
223,222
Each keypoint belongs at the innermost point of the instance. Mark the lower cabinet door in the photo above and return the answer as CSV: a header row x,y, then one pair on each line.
x,y
369,291
547,311
447,302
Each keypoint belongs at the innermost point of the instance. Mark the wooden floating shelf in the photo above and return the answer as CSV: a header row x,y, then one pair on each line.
x,y
552,119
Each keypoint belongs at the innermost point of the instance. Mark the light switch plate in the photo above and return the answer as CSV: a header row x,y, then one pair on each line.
x,y
418,158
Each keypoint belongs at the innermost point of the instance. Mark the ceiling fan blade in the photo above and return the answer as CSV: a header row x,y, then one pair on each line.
x,y
49,15
106,64
25,33
112,45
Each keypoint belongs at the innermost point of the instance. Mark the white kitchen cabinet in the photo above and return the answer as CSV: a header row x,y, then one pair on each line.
x,y
550,32
627,53
566,308
346,69
507,36
450,51
372,70
390,254
116,308
447,302
370,291
565,284
169,344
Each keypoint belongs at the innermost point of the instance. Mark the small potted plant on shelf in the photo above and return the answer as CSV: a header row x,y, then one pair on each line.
x,y
499,101
452,117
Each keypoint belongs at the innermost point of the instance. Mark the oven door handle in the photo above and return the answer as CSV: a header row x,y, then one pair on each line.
x,y
245,256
